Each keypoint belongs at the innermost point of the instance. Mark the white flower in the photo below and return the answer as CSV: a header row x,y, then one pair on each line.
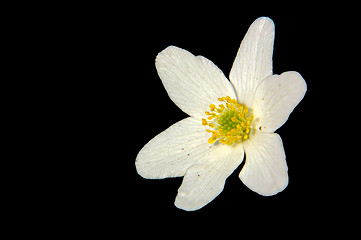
x,y
227,120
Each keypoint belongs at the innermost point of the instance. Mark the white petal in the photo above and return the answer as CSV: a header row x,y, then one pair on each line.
x,y
204,181
174,150
193,83
253,62
275,99
265,170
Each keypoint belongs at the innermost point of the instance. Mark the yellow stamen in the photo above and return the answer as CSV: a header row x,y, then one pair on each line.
x,y
204,122
230,123
212,107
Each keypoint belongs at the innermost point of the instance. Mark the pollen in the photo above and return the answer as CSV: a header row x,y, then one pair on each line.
x,y
230,123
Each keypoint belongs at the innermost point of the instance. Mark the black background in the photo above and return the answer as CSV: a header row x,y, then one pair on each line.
x,y
126,105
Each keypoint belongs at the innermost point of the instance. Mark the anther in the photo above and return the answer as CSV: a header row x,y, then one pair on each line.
x,y
231,122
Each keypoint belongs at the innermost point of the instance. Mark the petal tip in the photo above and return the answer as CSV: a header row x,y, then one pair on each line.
x,y
265,21
185,202
182,203
264,24
297,78
276,188
270,190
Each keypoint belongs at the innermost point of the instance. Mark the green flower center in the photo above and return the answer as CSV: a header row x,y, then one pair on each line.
x,y
230,123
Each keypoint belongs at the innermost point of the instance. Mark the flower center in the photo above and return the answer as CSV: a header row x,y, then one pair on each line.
x,y
230,123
